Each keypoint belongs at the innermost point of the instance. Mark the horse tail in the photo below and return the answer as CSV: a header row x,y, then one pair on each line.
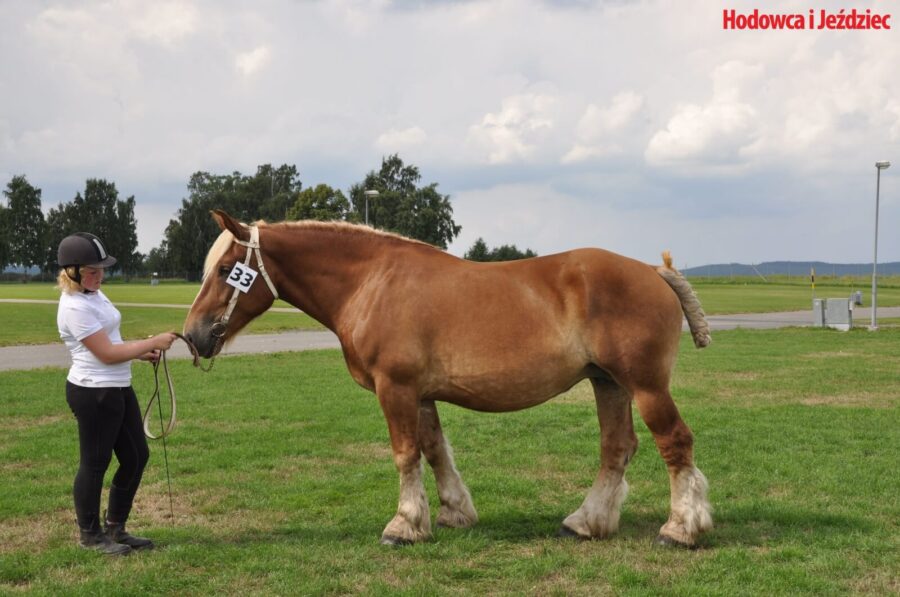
x,y
690,304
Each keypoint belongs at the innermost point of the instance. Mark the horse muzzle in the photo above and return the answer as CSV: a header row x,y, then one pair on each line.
x,y
208,340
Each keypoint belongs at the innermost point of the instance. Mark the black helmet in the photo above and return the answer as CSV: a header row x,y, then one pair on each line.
x,y
83,248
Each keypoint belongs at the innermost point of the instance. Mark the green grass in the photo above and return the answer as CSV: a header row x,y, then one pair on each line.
x,y
36,323
721,297
283,481
171,293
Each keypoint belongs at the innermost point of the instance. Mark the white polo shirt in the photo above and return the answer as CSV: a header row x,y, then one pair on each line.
x,y
79,316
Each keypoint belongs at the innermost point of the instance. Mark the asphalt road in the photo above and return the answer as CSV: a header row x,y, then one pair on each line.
x,y
56,355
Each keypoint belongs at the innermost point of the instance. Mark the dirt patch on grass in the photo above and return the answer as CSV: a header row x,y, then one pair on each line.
x,y
16,423
289,467
35,532
742,376
368,451
195,508
876,582
15,466
857,399
152,506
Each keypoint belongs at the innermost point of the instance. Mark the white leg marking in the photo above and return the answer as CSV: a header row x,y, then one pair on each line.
x,y
598,516
691,513
457,510
412,522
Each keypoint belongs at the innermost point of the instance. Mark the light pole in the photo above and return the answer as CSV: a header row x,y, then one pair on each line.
x,y
879,166
369,193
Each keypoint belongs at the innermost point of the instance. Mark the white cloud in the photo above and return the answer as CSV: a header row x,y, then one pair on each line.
x,y
165,23
248,63
394,141
513,133
597,126
580,108
713,136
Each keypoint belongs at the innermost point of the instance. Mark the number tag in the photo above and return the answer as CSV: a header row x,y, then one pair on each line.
x,y
241,277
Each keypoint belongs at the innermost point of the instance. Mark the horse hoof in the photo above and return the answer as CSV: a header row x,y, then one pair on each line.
x,y
665,541
392,541
567,533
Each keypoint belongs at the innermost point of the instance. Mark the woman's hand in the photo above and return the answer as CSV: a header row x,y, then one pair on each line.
x,y
152,356
163,341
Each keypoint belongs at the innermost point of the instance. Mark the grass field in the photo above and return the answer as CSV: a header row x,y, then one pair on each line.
x,y
36,324
283,481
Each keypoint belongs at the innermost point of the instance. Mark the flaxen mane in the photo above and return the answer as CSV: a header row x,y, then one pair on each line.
x,y
346,228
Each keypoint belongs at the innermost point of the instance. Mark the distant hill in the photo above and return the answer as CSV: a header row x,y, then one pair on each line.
x,y
792,268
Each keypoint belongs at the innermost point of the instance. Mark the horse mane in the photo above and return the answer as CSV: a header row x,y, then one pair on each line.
x,y
343,228
216,251
223,242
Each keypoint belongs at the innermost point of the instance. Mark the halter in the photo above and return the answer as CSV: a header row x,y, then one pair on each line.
x,y
219,327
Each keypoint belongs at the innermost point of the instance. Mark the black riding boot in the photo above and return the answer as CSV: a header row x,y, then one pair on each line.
x,y
115,531
96,539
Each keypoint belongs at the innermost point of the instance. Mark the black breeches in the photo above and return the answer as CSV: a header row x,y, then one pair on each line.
x,y
109,421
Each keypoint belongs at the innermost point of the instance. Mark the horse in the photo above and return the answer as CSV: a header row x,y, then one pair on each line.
x,y
419,326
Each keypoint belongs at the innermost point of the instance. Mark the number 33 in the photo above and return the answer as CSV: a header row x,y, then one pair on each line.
x,y
236,274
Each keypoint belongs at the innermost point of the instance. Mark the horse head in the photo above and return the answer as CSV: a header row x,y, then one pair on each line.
x,y
231,294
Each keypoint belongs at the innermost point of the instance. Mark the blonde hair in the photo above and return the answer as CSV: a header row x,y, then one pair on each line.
x,y
65,283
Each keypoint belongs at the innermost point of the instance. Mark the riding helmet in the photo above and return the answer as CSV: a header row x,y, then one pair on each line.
x,y
83,248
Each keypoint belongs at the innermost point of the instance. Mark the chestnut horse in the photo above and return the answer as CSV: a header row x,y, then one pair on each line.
x,y
419,326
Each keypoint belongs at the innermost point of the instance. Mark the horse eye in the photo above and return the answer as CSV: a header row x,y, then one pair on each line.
x,y
223,270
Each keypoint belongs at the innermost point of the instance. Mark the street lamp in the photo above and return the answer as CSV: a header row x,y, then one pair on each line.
x,y
369,193
879,166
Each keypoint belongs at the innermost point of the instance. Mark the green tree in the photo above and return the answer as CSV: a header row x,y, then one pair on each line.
x,y
403,207
479,252
60,224
158,261
25,223
4,237
98,211
268,194
125,239
319,203
282,185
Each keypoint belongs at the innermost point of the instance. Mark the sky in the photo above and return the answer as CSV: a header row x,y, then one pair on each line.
x,y
636,126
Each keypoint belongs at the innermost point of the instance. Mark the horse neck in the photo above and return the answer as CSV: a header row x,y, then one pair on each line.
x,y
319,269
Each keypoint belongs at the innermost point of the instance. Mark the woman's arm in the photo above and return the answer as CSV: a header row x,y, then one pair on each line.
x,y
112,354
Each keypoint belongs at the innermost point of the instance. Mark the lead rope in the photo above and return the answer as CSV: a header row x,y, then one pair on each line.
x,y
165,430
218,331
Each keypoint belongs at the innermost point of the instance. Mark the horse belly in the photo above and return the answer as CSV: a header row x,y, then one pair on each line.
x,y
505,382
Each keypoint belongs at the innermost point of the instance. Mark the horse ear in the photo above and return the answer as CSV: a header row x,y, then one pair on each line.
x,y
226,222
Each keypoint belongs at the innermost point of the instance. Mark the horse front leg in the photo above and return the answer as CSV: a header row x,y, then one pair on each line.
x,y
412,523
598,516
457,510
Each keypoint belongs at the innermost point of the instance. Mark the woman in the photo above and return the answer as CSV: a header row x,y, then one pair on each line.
x,y
99,392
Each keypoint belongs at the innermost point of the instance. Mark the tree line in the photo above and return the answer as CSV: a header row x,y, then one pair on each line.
x,y
399,204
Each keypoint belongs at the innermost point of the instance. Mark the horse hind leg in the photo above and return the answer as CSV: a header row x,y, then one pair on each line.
x,y
457,510
598,516
690,513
